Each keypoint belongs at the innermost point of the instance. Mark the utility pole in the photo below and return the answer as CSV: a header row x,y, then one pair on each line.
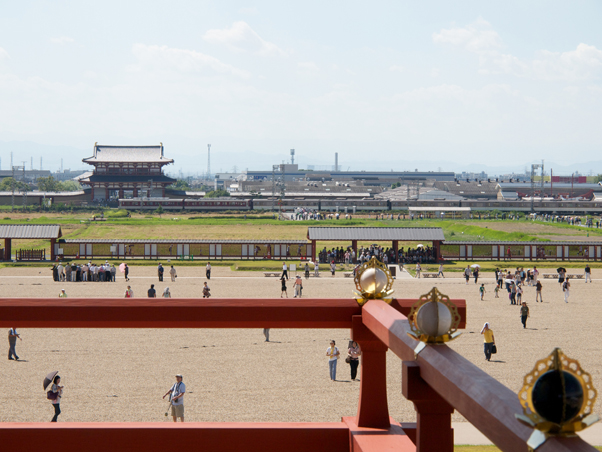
x,y
208,162
533,168
274,168
40,163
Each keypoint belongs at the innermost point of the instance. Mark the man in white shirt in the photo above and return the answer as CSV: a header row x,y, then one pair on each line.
x,y
176,397
284,271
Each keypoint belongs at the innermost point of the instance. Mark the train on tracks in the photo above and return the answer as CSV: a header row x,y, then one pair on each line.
x,y
358,205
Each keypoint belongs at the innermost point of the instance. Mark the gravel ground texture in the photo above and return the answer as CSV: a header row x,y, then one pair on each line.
x,y
120,375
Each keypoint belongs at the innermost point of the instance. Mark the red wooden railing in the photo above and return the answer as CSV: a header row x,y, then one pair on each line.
x,y
439,381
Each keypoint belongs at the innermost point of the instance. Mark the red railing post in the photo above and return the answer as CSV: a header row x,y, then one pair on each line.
x,y
373,409
434,432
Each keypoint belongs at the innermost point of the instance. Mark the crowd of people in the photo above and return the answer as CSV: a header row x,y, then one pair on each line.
x,y
420,254
84,272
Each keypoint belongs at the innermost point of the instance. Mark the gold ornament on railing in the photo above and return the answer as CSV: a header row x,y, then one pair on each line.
x,y
373,280
434,319
557,397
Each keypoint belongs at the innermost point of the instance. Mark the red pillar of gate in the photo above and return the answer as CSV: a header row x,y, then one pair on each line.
x,y
434,432
437,246
7,249
373,409
52,255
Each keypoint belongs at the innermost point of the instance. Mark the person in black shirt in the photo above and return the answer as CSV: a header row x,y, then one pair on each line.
x,y
152,293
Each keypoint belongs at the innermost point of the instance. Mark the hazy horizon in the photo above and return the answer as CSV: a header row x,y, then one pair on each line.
x,y
386,85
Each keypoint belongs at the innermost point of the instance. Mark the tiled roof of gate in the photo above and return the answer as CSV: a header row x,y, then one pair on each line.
x,y
376,234
146,154
30,231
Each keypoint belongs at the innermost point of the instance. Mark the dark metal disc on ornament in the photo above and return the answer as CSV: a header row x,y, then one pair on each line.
x,y
557,396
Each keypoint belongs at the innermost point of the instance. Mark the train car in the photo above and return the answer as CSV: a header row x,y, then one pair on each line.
x,y
151,203
217,204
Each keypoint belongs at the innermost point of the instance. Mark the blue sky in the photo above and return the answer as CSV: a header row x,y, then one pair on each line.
x,y
384,84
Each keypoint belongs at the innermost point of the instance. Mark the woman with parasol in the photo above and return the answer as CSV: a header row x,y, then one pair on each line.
x,y
55,393
561,274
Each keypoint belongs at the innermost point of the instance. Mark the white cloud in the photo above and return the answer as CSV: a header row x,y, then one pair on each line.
x,y
396,68
242,38
3,54
583,63
476,37
62,40
181,60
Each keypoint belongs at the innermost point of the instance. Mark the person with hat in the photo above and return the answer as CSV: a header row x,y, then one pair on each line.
x,y
176,397
63,294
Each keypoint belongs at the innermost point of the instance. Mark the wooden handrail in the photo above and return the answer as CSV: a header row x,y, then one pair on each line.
x,y
481,399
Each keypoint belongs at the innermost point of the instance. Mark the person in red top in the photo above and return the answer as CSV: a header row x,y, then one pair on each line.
x,y
129,293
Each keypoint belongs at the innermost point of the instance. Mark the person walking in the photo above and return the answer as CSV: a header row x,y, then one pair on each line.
x,y
266,334
63,294
176,397
160,271
306,270
172,273
129,293
113,271
497,291
354,359
208,271
440,271
475,273
284,271
298,287
467,274
127,272
524,314
12,344
333,268
489,339
418,270
538,287
482,291
283,287
333,353
206,290
166,293
56,402
588,273
317,268
152,293
565,288
535,275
